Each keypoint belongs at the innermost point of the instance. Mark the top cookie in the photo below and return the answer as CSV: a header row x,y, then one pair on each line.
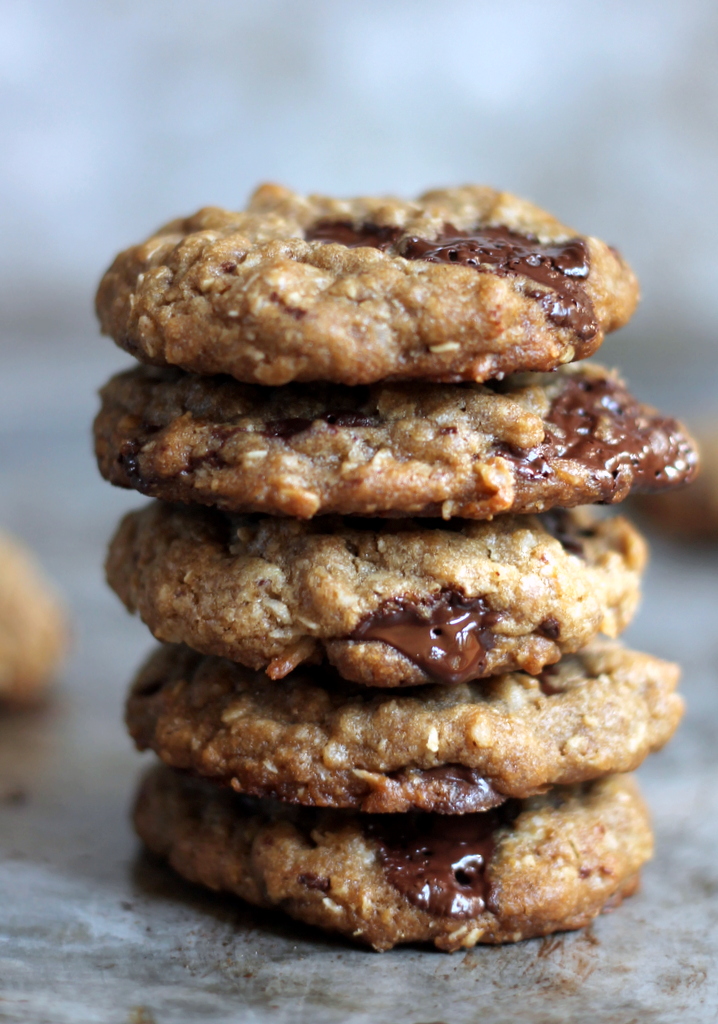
x,y
461,284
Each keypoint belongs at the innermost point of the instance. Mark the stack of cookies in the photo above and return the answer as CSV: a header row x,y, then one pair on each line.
x,y
380,700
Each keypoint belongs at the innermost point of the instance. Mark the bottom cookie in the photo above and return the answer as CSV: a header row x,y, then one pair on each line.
x,y
531,867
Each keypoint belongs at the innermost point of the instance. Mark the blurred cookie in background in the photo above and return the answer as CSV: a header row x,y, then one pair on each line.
x,y
33,627
689,513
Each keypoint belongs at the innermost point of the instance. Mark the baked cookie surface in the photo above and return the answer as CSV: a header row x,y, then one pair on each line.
x,y
546,864
33,628
532,442
389,602
314,740
461,284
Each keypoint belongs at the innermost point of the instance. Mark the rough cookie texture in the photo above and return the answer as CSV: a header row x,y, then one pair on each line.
x,y
267,296
314,740
33,631
271,593
535,441
690,514
552,865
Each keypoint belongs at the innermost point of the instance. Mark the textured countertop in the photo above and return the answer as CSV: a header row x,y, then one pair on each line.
x,y
93,930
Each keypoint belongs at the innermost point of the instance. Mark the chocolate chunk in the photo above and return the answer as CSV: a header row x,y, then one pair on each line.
x,y
559,267
456,789
453,773
529,464
449,640
312,881
343,232
441,863
506,249
550,628
597,422
285,429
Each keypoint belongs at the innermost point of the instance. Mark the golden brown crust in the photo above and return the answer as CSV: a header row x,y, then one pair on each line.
x,y
245,294
311,740
564,858
399,449
271,593
33,629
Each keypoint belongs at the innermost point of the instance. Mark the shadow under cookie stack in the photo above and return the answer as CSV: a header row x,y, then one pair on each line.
x,y
380,700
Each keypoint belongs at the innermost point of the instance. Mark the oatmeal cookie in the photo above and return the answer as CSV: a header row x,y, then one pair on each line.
x,y
549,863
690,514
313,739
530,443
33,631
390,602
461,284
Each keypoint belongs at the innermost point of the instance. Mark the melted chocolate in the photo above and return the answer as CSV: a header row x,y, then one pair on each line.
x,y
550,628
343,232
449,640
597,422
455,774
561,267
440,863
286,429
466,790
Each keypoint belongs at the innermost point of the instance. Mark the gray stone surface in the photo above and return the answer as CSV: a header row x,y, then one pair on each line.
x,y
94,932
